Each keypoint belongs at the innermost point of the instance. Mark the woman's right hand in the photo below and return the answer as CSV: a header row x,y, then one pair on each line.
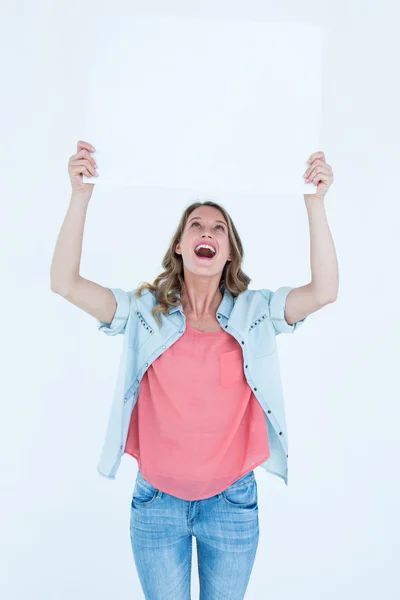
x,y
82,163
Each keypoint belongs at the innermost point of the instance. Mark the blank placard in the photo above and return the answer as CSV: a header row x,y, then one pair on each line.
x,y
204,104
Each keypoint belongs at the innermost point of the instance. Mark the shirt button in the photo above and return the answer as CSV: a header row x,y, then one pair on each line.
x,y
164,347
280,433
269,411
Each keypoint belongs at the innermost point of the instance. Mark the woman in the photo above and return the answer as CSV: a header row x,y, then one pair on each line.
x,y
200,348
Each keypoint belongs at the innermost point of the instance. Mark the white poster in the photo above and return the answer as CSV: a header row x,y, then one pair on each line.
x,y
204,104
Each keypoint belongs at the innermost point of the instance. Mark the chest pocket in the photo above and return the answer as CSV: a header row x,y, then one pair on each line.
x,y
231,368
262,337
140,332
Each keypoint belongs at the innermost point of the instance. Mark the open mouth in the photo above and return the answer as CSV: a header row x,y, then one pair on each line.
x,y
205,253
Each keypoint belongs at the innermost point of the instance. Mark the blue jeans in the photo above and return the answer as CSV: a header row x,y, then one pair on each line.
x,y
226,530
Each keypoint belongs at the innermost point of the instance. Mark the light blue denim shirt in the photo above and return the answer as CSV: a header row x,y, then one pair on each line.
x,y
254,318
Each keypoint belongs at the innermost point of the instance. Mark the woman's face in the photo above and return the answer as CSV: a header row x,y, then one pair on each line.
x,y
205,225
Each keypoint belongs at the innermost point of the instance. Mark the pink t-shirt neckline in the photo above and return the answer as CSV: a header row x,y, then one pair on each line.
x,y
207,333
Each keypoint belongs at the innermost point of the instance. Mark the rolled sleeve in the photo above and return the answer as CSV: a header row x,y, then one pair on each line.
x,y
120,318
277,302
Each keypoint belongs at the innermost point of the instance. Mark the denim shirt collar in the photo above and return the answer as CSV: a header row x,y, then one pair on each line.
x,y
224,308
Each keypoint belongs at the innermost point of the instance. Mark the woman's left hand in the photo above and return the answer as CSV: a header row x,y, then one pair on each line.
x,y
320,174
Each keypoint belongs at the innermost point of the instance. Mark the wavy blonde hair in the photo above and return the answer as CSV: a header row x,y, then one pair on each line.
x,y
171,280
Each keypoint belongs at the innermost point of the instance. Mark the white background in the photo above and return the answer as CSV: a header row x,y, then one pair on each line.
x,y
334,531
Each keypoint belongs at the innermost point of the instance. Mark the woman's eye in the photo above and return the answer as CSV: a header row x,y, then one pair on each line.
x,y
197,223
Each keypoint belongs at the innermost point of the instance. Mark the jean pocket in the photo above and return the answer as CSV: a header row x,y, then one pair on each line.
x,y
231,367
144,493
243,492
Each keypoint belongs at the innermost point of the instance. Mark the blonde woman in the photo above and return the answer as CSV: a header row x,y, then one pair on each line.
x,y
198,401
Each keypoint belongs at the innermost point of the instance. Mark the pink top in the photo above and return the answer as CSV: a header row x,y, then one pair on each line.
x,y
197,426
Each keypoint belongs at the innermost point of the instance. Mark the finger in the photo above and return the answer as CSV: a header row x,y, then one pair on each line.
x,y
311,171
80,170
86,172
84,154
316,173
316,155
85,145
322,178
84,163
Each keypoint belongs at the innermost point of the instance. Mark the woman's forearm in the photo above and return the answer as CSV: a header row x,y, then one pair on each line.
x,y
324,265
65,266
